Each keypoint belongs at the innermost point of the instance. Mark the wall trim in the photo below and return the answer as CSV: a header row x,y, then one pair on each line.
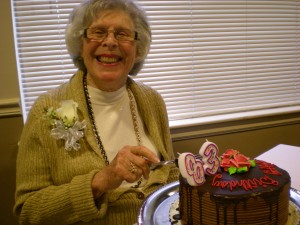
x,y
10,107
234,126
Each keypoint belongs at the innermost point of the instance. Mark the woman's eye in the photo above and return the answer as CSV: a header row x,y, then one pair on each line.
x,y
99,32
122,34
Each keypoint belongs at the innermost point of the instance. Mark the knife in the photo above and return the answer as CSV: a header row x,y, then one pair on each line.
x,y
162,163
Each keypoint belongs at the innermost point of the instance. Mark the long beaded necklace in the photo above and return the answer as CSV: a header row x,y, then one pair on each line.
x,y
95,131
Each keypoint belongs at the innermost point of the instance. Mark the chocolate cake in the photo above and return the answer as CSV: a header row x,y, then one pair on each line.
x,y
259,196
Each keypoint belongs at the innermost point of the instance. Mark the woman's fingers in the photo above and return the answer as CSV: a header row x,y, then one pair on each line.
x,y
145,153
141,158
130,164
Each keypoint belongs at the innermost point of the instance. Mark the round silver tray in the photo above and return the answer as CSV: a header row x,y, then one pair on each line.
x,y
155,208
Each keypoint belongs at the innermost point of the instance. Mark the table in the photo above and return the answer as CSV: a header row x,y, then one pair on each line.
x,y
287,157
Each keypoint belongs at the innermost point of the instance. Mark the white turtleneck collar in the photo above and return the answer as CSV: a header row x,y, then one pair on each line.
x,y
100,97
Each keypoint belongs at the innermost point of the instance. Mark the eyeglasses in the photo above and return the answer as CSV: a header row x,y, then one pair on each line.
x,y
99,34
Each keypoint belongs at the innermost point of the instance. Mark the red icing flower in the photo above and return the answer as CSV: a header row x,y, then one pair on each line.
x,y
233,158
230,153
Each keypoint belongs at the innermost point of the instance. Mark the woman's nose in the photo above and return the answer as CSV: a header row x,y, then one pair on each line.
x,y
110,40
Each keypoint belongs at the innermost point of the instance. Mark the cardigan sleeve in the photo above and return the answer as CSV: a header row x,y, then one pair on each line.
x,y
39,200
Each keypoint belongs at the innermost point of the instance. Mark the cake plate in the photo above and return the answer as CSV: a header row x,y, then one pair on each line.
x,y
155,209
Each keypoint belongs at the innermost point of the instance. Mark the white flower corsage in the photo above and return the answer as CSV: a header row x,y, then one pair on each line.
x,y
66,124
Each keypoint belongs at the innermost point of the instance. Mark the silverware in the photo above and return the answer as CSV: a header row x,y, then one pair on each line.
x,y
162,163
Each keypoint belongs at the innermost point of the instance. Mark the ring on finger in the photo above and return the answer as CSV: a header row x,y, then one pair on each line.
x,y
133,168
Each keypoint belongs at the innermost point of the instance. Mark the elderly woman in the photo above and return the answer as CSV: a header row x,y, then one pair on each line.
x,y
87,146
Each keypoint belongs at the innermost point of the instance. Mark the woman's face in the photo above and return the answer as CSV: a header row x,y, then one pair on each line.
x,y
108,62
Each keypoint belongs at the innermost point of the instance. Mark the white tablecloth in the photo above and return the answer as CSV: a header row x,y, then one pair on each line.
x,y
287,157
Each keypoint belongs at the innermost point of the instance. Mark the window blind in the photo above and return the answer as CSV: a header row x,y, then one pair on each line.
x,y
207,58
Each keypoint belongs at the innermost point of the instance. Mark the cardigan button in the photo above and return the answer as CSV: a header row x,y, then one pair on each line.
x,y
140,195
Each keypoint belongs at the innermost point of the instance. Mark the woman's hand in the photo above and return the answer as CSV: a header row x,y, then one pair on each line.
x,y
130,164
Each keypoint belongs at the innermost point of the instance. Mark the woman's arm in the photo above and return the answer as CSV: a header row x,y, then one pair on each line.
x,y
48,189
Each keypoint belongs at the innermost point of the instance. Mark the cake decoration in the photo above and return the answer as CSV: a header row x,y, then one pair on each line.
x,y
194,167
268,168
246,184
191,169
232,161
209,152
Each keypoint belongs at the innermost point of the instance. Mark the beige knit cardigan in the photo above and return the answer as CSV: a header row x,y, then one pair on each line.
x,y
53,186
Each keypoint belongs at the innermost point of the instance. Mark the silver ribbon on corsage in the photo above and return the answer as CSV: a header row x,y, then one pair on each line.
x,y
71,135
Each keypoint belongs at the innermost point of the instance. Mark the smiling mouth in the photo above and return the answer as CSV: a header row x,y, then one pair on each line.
x,y
104,59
